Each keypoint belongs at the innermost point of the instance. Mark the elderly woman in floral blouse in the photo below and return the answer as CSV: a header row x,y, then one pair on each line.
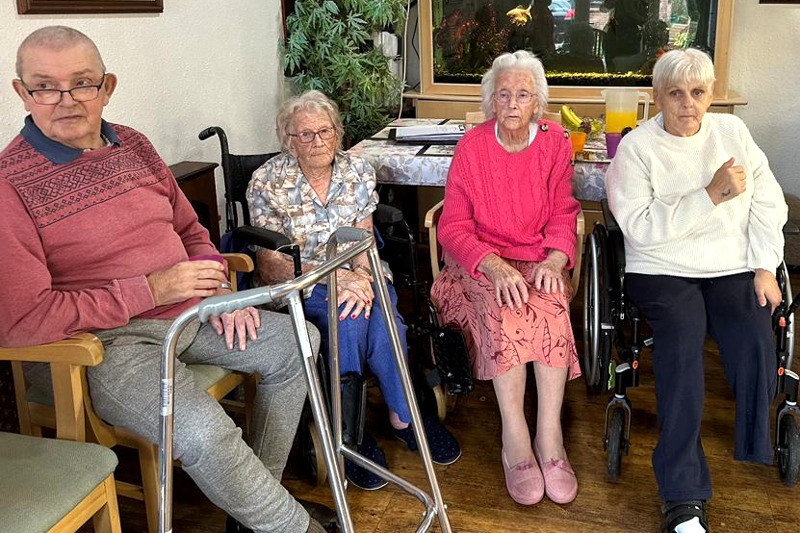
x,y
307,192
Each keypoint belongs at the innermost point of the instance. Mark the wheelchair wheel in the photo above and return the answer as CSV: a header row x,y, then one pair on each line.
x,y
314,457
788,448
441,402
614,445
446,401
596,312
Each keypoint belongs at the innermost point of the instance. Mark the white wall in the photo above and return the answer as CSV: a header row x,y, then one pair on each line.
x,y
217,63
765,70
197,64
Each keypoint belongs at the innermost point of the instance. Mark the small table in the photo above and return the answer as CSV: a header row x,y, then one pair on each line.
x,y
196,180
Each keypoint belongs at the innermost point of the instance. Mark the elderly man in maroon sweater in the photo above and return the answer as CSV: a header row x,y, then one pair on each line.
x,y
96,236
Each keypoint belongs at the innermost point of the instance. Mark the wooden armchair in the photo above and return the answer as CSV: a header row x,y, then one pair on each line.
x,y
57,485
432,223
39,408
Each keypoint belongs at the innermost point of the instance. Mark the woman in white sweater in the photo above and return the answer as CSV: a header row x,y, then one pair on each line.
x,y
702,217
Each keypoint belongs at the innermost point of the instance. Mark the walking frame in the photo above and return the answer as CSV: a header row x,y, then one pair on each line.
x,y
335,452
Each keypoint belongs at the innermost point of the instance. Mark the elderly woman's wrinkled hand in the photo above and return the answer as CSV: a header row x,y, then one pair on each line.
x,y
728,182
354,291
547,275
510,287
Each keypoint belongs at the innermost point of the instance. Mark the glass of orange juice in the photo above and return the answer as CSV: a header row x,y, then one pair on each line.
x,y
578,140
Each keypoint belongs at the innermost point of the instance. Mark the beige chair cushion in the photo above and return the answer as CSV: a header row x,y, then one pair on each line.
x,y
41,480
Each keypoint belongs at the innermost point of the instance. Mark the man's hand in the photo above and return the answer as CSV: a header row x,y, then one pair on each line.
x,y
547,275
510,288
242,324
767,289
187,279
728,182
354,291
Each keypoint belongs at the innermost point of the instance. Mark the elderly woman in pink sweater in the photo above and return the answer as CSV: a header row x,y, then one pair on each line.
x,y
508,231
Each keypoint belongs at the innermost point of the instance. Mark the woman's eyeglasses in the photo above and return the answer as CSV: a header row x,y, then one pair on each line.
x,y
522,97
307,136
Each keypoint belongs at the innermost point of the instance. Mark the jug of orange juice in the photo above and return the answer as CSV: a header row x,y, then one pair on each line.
x,y
622,108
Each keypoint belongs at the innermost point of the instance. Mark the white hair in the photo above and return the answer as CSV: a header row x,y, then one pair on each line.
x,y
519,60
683,67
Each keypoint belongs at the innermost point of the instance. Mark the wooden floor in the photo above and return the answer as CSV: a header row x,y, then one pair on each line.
x,y
747,497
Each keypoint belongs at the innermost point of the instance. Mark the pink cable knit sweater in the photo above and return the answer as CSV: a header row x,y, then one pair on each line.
x,y
516,205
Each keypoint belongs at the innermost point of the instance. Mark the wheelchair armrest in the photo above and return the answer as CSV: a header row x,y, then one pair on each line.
x,y
385,215
272,240
790,228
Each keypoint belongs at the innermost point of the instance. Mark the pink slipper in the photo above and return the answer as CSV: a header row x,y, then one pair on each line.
x,y
560,482
524,481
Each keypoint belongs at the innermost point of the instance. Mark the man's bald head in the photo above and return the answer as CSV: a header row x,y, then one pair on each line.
x,y
56,38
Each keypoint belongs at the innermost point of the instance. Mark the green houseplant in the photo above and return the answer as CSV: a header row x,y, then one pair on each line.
x,y
329,47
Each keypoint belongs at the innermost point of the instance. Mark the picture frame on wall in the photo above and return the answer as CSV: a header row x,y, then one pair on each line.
x,y
85,7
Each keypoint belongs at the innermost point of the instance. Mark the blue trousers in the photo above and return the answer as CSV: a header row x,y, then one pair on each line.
x,y
364,342
681,311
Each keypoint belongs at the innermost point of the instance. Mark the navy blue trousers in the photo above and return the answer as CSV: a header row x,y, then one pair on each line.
x,y
681,311
364,342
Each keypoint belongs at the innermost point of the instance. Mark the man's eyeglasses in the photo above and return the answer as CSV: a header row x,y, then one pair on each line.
x,y
522,97
307,136
84,93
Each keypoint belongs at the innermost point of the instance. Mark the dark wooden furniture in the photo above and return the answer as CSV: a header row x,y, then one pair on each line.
x,y
196,180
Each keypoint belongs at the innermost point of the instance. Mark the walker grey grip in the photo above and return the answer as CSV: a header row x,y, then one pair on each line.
x,y
229,303
347,234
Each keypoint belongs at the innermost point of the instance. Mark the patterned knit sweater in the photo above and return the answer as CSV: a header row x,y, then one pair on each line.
x,y
516,205
656,190
77,238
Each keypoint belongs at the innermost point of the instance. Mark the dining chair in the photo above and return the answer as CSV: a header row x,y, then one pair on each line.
x,y
432,223
56,485
38,407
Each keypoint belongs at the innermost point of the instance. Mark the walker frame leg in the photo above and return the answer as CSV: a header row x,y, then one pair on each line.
x,y
330,430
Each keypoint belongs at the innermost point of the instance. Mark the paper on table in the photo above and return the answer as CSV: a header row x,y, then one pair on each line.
x,y
434,132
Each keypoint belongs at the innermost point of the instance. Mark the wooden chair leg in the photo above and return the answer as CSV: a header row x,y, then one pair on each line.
x,y
107,520
148,463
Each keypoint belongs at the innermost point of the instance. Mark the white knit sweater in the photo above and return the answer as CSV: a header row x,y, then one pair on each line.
x,y
656,191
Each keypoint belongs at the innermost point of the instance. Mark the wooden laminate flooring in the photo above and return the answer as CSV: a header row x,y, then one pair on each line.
x,y
747,497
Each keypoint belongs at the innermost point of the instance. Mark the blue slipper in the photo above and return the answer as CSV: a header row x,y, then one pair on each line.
x,y
361,477
444,446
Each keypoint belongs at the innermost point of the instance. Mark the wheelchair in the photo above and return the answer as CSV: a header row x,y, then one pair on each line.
x,y
397,248
613,343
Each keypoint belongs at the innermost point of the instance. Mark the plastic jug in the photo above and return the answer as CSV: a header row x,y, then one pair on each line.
x,y
622,108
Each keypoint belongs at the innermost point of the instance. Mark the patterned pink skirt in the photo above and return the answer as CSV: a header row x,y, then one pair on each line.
x,y
500,338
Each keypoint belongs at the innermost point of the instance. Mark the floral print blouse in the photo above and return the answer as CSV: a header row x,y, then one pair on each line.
x,y
281,199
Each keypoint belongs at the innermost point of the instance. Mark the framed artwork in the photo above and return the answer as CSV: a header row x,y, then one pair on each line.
x,y
38,7
779,1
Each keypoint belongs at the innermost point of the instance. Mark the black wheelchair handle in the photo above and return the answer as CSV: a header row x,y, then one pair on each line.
x,y
209,132
223,145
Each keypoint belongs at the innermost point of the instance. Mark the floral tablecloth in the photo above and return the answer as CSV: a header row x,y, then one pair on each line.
x,y
427,165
